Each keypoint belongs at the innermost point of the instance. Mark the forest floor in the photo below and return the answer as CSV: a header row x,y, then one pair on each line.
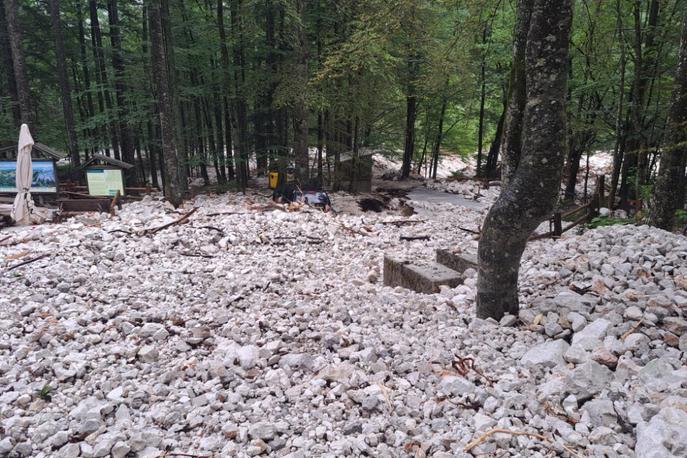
x,y
249,329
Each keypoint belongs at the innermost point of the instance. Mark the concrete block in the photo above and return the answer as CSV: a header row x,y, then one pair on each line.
x,y
422,277
459,262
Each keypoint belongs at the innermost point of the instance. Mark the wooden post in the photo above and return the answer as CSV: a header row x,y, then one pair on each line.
x,y
593,209
557,224
601,187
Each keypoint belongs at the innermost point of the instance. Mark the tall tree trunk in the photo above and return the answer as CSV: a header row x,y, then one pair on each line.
x,y
300,111
226,82
20,76
320,145
482,99
618,149
89,109
669,190
440,135
511,145
101,77
242,157
648,63
151,145
531,193
411,107
173,187
8,66
493,156
65,88
125,131
635,154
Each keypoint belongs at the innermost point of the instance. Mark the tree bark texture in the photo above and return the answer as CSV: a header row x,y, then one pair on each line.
x,y
20,76
669,189
531,193
65,88
173,188
8,66
512,141
125,131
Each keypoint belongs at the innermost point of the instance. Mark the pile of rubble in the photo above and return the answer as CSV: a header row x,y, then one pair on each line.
x,y
248,330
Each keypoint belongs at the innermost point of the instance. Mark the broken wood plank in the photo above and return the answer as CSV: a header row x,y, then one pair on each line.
x,y
411,238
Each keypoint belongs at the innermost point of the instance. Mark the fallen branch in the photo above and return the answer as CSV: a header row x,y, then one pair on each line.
x,y
266,207
632,329
4,239
28,261
352,231
123,231
471,231
465,365
211,228
226,213
402,222
195,255
548,408
493,431
190,455
416,237
165,226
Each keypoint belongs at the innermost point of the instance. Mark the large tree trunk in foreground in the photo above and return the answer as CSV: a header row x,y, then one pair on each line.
x,y
530,195
512,140
65,89
20,77
173,187
669,189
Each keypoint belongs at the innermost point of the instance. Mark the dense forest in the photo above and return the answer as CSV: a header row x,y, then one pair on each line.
x,y
203,88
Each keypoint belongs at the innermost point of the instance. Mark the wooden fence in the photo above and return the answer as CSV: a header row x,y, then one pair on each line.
x,y
581,214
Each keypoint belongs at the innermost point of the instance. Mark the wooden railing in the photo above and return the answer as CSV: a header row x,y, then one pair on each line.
x,y
583,213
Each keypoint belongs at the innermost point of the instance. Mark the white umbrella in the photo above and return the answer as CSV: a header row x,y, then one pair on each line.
x,y
23,204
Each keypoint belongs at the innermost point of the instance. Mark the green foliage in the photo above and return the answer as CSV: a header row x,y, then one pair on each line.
x,y
363,60
603,221
680,217
45,393
645,192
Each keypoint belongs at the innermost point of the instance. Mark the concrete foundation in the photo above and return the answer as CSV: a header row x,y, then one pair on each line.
x,y
422,277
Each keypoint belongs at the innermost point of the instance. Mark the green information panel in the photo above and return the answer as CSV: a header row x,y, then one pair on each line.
x,y
104,182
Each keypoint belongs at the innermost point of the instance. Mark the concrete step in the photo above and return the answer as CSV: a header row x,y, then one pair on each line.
x,y
456,260
418,275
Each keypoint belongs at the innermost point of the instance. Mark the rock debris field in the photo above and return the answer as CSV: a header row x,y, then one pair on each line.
x,y
250,330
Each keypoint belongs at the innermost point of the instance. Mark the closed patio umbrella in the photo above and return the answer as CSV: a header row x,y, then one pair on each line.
x,y
23,203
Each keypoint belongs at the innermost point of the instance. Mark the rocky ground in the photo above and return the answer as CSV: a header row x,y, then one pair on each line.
x,y
250,330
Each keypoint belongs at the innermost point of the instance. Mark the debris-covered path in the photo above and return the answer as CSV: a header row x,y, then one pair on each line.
x,y
252,331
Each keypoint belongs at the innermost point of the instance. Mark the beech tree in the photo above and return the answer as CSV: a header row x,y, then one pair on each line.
x,y
512,141
173,184
14,35
65,88
530,195
669,190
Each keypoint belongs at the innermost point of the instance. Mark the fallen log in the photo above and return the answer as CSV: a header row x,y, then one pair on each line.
x,y
416,237
183,218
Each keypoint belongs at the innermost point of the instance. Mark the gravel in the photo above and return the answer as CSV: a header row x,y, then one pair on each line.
x,y
265,332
